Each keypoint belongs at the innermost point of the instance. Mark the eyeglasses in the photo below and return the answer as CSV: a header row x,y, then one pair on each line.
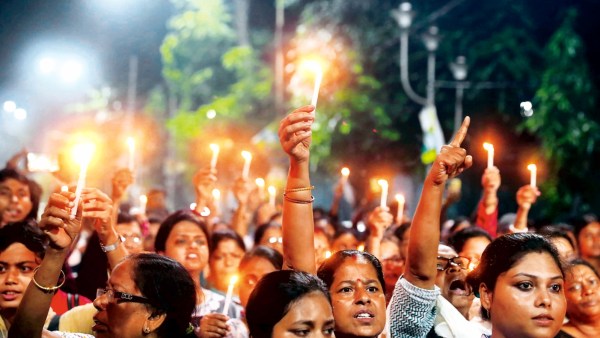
x,y
444,263
121,297
274,240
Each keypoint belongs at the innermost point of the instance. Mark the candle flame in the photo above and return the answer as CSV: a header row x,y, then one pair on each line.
x,y
233,279
383,183
272,190
193,206
144,199
345,172
400,198
532,167
214,147
130,142
361,247
216,194
488,146
327,254
82,153
64,188
260,182
312,65
246,155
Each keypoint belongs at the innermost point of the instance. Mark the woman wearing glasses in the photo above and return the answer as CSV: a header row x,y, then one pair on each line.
x,y
147,295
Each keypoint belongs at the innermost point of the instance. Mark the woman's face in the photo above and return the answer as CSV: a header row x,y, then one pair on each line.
x,y
16,270
19,197
528,300
309,316
474,247
392,263
589,240
358,299
121,319
252,272
224,261
583,298
188,245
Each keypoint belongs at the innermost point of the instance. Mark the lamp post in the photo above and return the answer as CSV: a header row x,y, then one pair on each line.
x,y
459,70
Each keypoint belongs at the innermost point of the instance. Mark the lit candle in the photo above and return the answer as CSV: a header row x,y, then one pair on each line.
x,y
345,174
490,150
384,192
83,152
64,188
327,254
143,203
229,295
193,206
272,191
260,183
216,194
533,169
131,146
361,247
247,159
318,78
215,155
400,214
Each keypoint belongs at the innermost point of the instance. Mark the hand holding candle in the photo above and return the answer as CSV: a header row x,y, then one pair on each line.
x,y
131,146
400,213
533,179
215,155
247,160
490,150
229,294
384,192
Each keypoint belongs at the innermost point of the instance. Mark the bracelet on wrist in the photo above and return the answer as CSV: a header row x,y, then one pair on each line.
x,y
312,187
48,289
112,247
293,200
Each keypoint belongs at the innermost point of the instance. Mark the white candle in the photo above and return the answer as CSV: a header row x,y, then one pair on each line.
x,y
215,155
229,294
400,213
216,193
533,169
272,191
384,192
143,203
318,78
84,154
260,183
131,146
490,150
247,160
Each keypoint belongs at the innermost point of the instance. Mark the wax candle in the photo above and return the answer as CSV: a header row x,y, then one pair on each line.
x,y
143,203
229,294
384,192
84,154
272,191
490,151
215,155
400,213
131,146
247,160
318,78
533,179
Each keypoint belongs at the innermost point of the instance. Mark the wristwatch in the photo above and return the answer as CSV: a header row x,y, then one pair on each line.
x,y
109,248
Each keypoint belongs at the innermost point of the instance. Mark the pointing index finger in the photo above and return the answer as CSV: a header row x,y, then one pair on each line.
x,y
461,133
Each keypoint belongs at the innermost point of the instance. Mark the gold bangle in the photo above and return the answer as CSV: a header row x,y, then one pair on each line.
x,y
312,187
46,289
293,200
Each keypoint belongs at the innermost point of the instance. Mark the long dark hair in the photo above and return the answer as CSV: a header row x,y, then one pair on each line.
x,y
273,297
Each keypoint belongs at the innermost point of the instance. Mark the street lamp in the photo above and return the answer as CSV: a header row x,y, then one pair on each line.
x,y
459,70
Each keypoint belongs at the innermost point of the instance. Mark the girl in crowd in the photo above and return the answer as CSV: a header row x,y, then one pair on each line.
x,y
520,282
353,278
256,263
226,251
184,237
147,295
298,306
23,195
583,301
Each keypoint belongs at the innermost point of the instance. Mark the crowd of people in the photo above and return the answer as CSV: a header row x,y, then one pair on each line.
x,y
104,271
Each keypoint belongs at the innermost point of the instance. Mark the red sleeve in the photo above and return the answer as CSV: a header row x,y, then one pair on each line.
x,y
488,222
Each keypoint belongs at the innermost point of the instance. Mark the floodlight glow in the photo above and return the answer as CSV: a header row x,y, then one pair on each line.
x,y
47,65
9,106
20,114
211,114
71,71
526,105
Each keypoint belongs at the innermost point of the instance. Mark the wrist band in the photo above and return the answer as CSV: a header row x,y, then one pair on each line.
x,y
292,200
112,247
312,187
46,289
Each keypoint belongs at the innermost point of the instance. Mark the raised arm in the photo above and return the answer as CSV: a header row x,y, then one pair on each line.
x,y
425,230
241,217
61,231
526,196
295,136
122,179
487,209
378,221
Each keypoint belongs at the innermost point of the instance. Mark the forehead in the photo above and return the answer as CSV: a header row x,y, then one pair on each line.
x,y
186,228
228,244
310,307
17,252
580,272
121,277
258,266
389,248
539,264
446,251
272,232
13,184
592,227
354,268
